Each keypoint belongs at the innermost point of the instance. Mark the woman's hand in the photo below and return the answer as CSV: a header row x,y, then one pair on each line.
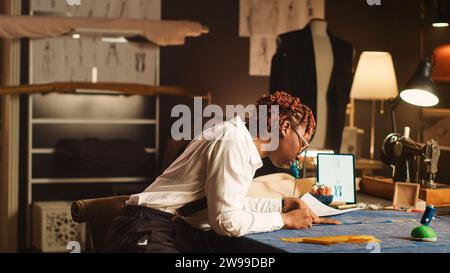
x,y
297,219
293,203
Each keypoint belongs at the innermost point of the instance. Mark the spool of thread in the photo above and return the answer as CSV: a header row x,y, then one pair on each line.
x,y
428,215
424,232
406,131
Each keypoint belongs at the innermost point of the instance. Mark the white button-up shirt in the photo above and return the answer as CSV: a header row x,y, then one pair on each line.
x,y
219,164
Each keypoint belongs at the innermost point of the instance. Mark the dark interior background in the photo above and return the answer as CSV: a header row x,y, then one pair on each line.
x,y
219,62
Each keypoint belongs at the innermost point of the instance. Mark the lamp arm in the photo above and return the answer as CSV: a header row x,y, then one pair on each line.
x,y
393,103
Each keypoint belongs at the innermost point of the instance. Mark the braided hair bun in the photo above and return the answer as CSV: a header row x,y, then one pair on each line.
x,y
290,108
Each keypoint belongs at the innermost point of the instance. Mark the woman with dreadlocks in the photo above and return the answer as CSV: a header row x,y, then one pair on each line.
x,y
199,203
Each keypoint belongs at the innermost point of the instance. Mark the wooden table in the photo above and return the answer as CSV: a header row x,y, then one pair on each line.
x,y
366,166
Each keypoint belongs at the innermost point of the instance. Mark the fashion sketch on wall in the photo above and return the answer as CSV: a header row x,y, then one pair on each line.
x,y
263,48
263,20
48,60
69,59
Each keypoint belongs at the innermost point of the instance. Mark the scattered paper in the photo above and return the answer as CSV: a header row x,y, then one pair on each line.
x,y
321,209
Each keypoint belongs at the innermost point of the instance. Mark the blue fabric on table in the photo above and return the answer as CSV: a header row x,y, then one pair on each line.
x,y
395,237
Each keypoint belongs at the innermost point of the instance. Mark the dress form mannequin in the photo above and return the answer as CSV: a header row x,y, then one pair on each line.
x,y
317,66
324,66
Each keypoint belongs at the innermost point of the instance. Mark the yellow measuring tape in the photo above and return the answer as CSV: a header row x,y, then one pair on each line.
x,y
330,240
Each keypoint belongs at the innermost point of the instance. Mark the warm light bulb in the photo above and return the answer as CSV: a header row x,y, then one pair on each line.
x,y
419,97
114,40
440,24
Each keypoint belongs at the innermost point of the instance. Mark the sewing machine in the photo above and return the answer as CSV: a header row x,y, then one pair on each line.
x,y
402,153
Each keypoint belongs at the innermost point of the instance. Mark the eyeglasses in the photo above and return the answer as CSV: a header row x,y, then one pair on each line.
x,y
304,145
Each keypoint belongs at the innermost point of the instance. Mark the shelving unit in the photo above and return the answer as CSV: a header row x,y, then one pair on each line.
x,y
44,128
37,142
91,113
128,78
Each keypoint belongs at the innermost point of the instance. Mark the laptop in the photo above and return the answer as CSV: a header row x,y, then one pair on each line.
x,y
337,171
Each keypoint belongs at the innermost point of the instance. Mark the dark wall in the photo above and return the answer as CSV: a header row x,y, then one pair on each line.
x,y
395,27
219,61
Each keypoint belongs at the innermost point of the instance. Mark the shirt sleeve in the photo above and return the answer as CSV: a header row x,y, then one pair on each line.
x,y
229,173
263,204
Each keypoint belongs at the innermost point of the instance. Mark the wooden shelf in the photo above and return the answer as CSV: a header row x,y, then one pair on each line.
x,y
89,180
360,164
436,112
385,187
100,88
93,121
441,79
52,150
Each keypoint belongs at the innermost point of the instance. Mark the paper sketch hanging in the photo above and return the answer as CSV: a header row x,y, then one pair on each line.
x,y
48,5
262,48
263,20
46,60
68,59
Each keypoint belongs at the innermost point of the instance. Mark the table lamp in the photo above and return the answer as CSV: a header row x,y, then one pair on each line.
x,y
419,91
374,80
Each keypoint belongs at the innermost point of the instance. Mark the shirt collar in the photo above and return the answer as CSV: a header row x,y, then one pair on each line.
x,y
255,158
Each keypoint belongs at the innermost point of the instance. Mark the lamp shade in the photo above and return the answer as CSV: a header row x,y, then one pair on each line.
x,y
375,77
441,69
420,89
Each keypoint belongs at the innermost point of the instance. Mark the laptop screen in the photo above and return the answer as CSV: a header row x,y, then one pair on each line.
x,y
337,171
